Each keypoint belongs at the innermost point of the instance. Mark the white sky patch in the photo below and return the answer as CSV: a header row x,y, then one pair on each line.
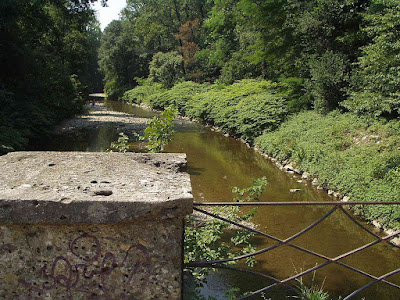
x,y
107,14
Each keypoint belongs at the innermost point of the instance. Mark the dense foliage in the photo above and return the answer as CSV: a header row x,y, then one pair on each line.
x,y
48,64
178,96
244,109
121,59
376,80
344,53
350,154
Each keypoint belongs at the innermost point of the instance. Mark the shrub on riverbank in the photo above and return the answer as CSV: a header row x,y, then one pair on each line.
x,y
177,96
245,108
143,91
347,153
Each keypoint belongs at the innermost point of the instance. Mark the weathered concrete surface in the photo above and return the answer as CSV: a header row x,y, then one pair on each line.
x,y
125,261
92,188
92,225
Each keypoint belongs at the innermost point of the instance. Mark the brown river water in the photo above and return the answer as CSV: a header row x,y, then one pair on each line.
x,y
217,163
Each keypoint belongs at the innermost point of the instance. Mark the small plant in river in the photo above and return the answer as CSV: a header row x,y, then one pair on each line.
x,y
311,292
160,130
121,145
158,134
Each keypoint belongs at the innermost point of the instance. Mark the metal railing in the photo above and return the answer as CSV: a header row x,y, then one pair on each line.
x,y
220,264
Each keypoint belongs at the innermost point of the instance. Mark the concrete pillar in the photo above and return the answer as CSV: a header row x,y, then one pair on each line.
x,y
92,225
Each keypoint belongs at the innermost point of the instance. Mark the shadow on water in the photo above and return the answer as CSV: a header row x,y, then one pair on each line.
x,y
86,140
216,164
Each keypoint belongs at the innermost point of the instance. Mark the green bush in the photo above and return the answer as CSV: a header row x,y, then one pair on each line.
x,y
141,93
166,68
113,90
350,154
160,130
372,104
246,108
298,99
177,96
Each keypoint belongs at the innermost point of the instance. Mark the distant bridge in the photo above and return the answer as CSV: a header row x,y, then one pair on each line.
x,y
98,95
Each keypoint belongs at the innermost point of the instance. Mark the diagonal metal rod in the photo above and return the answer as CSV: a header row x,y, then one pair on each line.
x,y
371,283
291,203
285,281
327,263
363,227
281,242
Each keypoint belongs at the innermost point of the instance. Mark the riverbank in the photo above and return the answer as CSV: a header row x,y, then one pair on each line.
x,y
98,116
351,157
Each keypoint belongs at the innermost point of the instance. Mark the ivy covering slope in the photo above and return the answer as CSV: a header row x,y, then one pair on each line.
x,y
354,155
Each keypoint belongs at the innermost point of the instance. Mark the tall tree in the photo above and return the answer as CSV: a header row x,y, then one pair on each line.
x,y
376,82
41,67
121,59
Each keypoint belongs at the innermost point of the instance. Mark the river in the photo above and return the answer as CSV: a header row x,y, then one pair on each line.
x,y
217,163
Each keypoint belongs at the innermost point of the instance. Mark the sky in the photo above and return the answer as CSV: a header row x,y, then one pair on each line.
x,y
106,14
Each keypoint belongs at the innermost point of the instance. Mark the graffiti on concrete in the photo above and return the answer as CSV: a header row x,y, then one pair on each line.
x,y
93,269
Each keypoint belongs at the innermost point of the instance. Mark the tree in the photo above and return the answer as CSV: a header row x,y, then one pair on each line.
x,y
376,82
121,59
328,80
166,68
41,76
188,37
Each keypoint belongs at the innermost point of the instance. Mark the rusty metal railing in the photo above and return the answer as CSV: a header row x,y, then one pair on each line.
x,y
220,263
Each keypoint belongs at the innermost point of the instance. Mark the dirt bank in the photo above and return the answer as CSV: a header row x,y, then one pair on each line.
x,y
98,116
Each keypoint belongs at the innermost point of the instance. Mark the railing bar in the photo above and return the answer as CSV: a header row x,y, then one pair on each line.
x,y
304,250
285,281
264,234
248,271
371,283
358,223
277,281
363,227
338,258
286,241
357,250
340,203
220,261
366,274
236,224
296,276
294,236
205,263
306,272
259,291
366,246
281,242
311,226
